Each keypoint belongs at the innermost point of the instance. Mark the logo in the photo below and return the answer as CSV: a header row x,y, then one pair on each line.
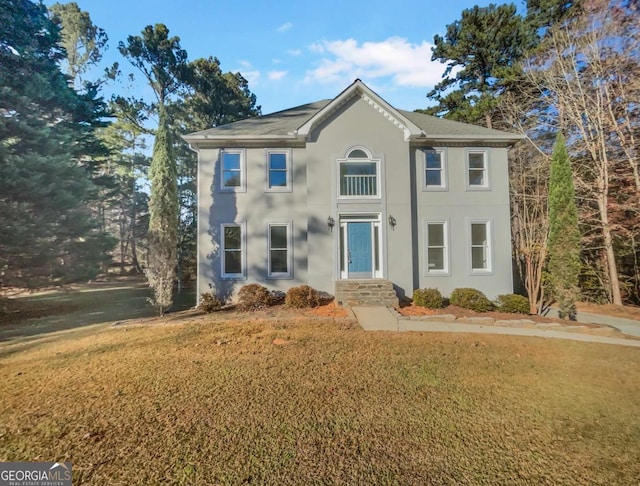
x,y
35,474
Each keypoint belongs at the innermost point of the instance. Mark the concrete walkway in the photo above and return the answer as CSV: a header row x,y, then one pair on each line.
x,y
626,326
381,319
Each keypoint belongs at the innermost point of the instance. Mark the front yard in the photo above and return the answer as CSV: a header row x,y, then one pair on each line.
x,y
286,398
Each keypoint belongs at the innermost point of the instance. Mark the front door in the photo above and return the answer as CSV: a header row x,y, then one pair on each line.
x,y
359,250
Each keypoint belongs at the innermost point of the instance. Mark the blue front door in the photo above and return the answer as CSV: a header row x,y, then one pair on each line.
x,y
359,250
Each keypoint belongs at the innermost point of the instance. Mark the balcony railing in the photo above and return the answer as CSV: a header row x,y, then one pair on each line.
x,y
359,185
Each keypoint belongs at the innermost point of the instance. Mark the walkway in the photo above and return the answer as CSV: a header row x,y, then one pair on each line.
x,y
381,319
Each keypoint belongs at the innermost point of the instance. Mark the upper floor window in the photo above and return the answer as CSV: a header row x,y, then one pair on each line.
x,y
233,171
278,173
435,176
358,175
478,169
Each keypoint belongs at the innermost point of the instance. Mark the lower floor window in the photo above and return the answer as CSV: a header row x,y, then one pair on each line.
x,y
279,250
480,246
232,251
437,254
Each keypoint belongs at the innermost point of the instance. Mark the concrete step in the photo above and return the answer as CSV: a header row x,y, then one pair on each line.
x,y
367,292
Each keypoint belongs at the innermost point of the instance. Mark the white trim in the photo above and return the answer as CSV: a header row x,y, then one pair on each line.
x,y
486,186
366,217
489,247
447,245
289,249
356,160
288,169
444,172
243,170
358,88
243,252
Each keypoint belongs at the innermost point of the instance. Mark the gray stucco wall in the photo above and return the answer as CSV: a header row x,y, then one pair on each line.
x,y
458,206
313,198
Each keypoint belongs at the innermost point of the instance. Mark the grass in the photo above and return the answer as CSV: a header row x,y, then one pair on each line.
x,y
215,401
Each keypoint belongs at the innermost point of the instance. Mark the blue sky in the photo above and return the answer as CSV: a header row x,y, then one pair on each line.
x,y
296,52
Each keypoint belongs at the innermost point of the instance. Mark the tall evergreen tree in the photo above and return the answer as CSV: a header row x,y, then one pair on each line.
x,y
163,216
479,49
564,234
164,63
46,146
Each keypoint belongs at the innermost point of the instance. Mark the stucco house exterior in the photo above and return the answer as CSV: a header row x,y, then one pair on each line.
x,y
353,190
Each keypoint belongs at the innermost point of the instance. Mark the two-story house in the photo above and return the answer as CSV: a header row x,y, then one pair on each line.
x,y
353,189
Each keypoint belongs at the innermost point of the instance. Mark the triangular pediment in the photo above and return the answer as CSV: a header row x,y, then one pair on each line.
x,y
359,89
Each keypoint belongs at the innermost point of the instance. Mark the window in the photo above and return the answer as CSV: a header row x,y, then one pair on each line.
x,y
233,170
232,251
278,178
437,247
480,246
358,175
279,250
434,170
478,173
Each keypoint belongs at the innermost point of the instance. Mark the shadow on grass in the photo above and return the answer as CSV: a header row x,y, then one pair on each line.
x,y
86,305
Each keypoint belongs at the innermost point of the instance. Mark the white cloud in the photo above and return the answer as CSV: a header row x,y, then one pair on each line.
x,y
407,64
294,52
276,75
284,27
251,76
244,64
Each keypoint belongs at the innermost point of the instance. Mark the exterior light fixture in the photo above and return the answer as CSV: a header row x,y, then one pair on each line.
x,y
392,221
331,223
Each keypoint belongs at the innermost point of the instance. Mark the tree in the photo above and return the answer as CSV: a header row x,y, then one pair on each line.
x,y
82,40
564,234
587,75
163,217
479,50
163,63
47,145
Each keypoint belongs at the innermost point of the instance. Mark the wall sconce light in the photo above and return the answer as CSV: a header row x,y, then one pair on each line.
x,y
392,222
331,223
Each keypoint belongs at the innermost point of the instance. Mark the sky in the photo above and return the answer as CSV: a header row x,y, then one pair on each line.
x,y
295,52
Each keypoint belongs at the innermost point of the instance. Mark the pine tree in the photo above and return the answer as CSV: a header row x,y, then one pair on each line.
x,y
163,217
47,145
564,234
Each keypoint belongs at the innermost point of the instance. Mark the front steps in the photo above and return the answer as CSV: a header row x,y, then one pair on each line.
x,y
376,292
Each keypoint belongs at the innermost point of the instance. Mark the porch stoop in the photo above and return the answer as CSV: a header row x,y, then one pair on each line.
x,y
350,293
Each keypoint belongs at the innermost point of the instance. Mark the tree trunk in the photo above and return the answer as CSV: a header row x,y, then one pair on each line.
x,y
614,281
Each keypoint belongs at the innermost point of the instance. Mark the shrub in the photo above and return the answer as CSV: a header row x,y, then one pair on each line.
x,y
514,303
302,297
430,298
254,297
209,302
471,299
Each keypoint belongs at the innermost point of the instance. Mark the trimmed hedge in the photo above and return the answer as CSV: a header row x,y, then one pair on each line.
x,y
471,299
254,297
513,303
302,297
429,298
209,302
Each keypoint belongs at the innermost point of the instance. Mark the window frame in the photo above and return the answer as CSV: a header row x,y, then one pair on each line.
x,y
243,171
447,245
287,169
359,160
289,248
243,252
444,183
488,247
486,185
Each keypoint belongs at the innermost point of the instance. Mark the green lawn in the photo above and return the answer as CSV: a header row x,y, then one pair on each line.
x,y
213,400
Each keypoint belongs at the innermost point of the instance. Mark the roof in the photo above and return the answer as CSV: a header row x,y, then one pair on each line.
x,y
296,123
